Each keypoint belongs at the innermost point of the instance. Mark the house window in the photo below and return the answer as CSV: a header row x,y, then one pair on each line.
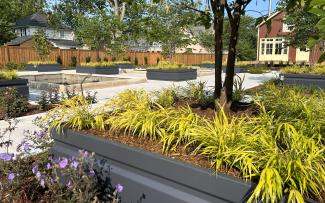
x,y
285,49
287,28
61,34
278,48
263,48
23,32
269,49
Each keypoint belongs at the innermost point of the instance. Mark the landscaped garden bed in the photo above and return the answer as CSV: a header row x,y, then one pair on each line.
x,y
43,66
171,72
102,68
124,64
304,76
9,79
260,147
207,64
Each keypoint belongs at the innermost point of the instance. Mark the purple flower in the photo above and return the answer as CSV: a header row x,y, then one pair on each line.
x,y
75,164
38,175
119,188
26,146
42,183
11,176
34,169
63,163
48,166
6,156
91,173
69,184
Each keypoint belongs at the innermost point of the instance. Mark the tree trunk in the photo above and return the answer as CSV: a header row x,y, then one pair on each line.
x,y
230,71
218,11
97,55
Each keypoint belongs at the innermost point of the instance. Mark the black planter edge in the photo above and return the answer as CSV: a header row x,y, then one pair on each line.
x,y
171,75
232,188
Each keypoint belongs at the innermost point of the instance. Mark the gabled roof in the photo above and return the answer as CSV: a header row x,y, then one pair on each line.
x,y
19,40
269,18
64,42
36,20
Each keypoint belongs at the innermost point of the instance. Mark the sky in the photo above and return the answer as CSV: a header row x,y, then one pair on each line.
x,y
260,6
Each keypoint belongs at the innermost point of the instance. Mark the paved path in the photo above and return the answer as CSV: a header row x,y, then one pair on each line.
x,y
26,123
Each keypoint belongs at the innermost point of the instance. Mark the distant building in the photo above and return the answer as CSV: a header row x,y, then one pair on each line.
x,y
25,28
271,46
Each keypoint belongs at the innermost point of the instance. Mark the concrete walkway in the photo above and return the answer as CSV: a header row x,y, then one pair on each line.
x,y
26,123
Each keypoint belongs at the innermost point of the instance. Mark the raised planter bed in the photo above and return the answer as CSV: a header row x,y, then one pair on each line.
x,y
152,177
237,70
172,75
307,80
43,67
207,65
19,84
125,66
98,70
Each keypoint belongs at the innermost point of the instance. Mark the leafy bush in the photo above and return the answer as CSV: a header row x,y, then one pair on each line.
x,y
158,60
12,66
136,61
73,61
12,103
105,59
8,75
59,60
168,65
95,64
88,59
197,92
239,90
167,97
145,60
257,70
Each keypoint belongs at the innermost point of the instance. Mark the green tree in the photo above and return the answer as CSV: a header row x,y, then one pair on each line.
x,y
41,44
12,10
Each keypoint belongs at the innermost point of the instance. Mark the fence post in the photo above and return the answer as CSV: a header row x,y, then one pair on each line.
x,y
78,55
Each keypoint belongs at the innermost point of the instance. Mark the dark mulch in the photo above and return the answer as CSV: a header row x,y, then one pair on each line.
x,y
32,109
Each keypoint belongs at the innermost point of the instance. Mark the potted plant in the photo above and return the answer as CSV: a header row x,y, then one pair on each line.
x,y
207,64
304,76
102,68
42,66
9,79
171,72
124,64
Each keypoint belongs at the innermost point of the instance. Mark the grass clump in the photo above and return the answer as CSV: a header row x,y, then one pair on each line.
x,y
98,64
41,62
317,70
207,62
8,75
281,149
122,62
167,65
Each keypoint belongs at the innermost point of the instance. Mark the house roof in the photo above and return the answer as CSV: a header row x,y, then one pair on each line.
x,y
269,18
55,42
35,20
19,40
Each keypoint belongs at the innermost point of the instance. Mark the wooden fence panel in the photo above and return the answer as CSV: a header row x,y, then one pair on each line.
x,y
24,54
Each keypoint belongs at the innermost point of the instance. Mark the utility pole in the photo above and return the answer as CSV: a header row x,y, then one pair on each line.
x,y
270,7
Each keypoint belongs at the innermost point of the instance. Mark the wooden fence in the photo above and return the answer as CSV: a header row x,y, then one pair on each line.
x,y
21,55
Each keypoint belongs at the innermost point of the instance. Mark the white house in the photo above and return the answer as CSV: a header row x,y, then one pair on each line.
x,y
26,27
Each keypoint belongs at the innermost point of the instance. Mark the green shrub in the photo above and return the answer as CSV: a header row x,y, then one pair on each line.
x,y
105,59
88,59
207,62
136,62
122,62
318,70
239,90
12,103
12,66
167,97
257,70
59,60
41,62
145,60
73,61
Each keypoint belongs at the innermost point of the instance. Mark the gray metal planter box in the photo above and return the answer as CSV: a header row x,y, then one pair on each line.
x,y
207,65
237,70
110,70
307,80
172,75
153,177
19,84
43,67
125,66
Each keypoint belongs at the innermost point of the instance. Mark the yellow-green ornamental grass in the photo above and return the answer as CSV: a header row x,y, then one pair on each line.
x,y
282,147
41,62
8,75
121,62
98,64
317,70
167,65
